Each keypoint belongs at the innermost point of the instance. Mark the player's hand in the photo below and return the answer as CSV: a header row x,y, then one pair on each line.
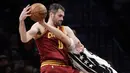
x,y
79,47
25,13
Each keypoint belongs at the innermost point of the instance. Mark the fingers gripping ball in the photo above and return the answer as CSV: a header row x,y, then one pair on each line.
x,y
38,12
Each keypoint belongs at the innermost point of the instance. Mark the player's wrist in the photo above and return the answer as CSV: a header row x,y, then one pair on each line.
x,y
21,20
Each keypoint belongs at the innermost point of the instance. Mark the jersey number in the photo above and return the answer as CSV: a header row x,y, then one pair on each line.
x,y
60,44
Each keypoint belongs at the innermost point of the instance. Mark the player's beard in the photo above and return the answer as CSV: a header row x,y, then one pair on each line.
x,y
58,23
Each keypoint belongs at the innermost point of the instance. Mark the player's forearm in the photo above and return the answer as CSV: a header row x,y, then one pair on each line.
x,y
22,31
59,34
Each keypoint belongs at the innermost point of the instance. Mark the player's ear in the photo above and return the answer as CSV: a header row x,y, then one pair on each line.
x,y
51,14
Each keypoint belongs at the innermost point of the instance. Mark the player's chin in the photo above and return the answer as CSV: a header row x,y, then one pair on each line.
x,y
59,23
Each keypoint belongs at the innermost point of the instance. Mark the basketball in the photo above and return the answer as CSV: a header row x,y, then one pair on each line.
x,y
38,12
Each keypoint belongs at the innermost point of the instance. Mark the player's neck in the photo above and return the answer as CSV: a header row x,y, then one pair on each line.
x,y
50,22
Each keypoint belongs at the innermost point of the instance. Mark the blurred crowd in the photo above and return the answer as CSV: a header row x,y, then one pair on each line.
x,y
17,57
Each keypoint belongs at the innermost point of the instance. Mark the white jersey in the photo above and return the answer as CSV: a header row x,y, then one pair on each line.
x,y
88,62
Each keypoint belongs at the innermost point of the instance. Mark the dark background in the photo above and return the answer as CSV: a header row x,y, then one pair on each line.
x,y
101,25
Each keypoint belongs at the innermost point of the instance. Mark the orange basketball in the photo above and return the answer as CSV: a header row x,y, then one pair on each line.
x,y
38,12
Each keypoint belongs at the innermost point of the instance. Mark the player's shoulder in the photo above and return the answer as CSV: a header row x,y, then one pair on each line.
x,y
66,27
39,27
41,30
35,25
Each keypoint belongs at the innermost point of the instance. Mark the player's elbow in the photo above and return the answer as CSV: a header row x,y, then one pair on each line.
x,y
24,40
